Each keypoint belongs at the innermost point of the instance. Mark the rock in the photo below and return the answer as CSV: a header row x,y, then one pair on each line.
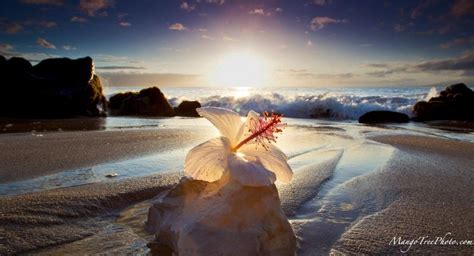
x,y
372,117
456,102
187,108
52,88
219,218
148,102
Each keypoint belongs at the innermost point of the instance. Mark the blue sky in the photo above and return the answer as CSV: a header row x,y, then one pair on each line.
x,y
299,43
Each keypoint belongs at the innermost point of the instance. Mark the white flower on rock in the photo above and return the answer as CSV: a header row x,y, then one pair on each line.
x,y
243,149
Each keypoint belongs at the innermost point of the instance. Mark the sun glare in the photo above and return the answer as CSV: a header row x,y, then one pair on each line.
x,y
242,69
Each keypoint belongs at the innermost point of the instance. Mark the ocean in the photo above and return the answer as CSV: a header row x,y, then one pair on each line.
x,y
329,103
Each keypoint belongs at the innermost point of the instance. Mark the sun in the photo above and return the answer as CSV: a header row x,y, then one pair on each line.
x,y
241,69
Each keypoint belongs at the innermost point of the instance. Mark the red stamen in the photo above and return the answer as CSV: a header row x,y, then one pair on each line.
x,y
264,130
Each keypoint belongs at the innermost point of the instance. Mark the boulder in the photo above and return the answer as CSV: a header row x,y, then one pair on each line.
x,y
456,102
187,108
219,218
373,117
148,102
52,88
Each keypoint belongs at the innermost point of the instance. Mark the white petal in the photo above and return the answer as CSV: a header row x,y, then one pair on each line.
x,y
207,161
250,122
272,158
225,120
248,172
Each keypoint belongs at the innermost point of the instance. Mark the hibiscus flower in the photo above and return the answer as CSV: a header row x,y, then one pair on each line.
x,y
244,150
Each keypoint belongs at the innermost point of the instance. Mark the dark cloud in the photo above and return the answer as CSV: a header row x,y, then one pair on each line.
x,y
461,63
322,2
462,8
458,42
119,68
78,19
10,27
44,2
150,79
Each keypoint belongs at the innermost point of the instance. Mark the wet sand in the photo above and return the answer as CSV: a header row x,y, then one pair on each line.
x,y
29,155
37,220
425,190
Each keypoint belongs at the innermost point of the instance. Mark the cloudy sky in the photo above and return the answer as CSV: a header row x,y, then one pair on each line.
x,y
296,43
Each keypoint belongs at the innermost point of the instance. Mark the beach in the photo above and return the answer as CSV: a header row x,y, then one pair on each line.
x,y
355,187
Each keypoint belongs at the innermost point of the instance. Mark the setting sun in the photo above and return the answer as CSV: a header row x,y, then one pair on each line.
x,y
239,69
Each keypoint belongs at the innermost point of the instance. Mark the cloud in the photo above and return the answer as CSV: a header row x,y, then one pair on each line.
x,y
458,42
257,12
91,7
398,27
69,48
187,7
45,44
463,63
462,8
420,8
125,24
119,68
9,27
303,73
6,48
317,23
229,39
309,43
78,19
151,79
218,2
48,24
177,26
322,2
278,9
207,37
43,2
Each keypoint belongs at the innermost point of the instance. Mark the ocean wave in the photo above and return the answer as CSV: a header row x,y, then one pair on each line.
x,y
326,105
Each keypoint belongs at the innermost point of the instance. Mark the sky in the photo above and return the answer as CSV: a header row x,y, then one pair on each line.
x,y
250,43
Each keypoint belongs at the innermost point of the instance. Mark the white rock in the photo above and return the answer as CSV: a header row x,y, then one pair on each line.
x,y
220,218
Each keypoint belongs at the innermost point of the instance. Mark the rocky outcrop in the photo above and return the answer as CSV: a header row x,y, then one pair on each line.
x,y
147,102
456,102
187,108
373,117
219,218
52,88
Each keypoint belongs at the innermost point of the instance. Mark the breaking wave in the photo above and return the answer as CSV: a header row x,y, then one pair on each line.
x,y
325,105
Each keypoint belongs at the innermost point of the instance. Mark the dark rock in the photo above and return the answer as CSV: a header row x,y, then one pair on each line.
x,y
148,102
187,108
52,88
17,64
456,102
383,117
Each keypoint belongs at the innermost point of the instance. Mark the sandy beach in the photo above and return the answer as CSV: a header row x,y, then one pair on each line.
x,y
33,154
422,186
